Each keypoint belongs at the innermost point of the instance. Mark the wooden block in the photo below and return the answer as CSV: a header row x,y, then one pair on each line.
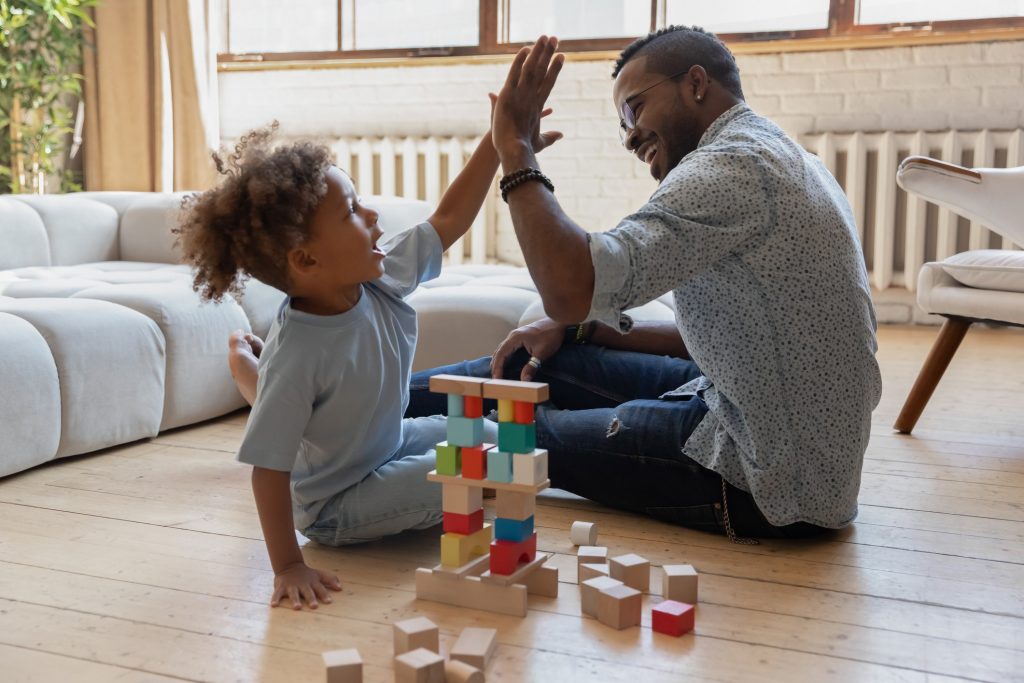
x,y
531,392
583,533
412,634
530,468
464,524
475,646
515,505
343,666
456,384
455,405
522,412
474,461
520,575
499,466
506,555
472,593
590,571
506,410
679,583
465,431
449,458
473,406
632,570
481,484
672,618
419,666
543,582
515,530
619,607
459,498
460,672
589,590
457,549
474,567
591,554
514,437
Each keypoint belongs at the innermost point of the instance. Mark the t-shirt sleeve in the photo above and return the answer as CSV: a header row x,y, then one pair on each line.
x,y
413,257
285,394
706,209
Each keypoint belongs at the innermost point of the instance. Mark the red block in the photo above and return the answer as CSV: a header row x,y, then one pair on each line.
x,y
672,618
473,406
474,461
522,412
464,524
507,555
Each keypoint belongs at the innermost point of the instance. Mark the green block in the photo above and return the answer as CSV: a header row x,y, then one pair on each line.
x,y
517,438
449,459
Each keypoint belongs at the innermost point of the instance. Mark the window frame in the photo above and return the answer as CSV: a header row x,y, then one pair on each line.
x,y
842,33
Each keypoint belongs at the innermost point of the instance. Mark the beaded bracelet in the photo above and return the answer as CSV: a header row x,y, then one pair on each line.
x,y
523,175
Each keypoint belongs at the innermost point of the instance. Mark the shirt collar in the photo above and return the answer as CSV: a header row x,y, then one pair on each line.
x,y
719,124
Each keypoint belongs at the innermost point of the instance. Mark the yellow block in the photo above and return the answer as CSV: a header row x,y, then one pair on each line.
x,y
456,549
506,412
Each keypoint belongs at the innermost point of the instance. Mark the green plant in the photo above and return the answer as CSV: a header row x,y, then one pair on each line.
x,y
40,61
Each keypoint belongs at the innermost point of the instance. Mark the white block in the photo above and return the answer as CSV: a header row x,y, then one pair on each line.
x,y
530,468
583,533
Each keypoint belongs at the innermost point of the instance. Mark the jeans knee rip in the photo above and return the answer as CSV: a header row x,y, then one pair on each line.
x,y
614,426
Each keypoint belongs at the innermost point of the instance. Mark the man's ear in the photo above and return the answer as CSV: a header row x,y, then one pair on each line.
x,y
699,81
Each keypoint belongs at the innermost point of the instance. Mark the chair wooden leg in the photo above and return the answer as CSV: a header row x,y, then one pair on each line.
x,y
950,336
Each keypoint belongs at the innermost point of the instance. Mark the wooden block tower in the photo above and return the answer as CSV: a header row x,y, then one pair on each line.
x,y
476,571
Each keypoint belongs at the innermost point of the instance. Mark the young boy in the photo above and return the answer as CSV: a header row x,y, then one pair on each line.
x,y
331,453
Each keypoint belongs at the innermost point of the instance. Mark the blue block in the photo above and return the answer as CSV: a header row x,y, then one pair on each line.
x,y
465,431
499,466
454,405
516,438
517,530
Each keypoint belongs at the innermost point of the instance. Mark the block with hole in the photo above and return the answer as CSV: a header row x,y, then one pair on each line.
x,y
679,583
672,618
507,555
632,570
343,666
414,633
515,438
457,549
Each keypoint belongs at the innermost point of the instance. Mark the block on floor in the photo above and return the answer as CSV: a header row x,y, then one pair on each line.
x,y
619,607
460,672
679,583
672,618
589,590
415,633
583,533
591,554
632,570
475,646
591,571
343,666
419,666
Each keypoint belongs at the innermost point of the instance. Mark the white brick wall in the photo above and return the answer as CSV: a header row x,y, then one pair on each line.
x,y
931,87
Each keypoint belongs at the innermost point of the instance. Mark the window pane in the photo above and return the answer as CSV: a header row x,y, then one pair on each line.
x,y
274,26
749,16
896,11
574,19
413,23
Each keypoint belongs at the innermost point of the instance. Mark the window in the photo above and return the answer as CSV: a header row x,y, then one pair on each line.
x,y
274,31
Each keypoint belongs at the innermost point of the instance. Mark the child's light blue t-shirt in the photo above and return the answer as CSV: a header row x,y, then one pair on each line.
x,y
332,390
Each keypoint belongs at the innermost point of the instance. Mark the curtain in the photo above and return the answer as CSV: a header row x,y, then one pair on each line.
x,y
150,93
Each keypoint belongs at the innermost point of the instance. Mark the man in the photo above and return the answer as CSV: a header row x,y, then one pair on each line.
x,y
751,414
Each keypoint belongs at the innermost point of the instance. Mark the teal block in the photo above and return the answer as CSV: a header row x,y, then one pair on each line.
x,y
516,438
517,530
449,459
465,431
499,466
454,405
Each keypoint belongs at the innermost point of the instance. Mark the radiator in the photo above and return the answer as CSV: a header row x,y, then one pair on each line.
x,y
899,233
419,168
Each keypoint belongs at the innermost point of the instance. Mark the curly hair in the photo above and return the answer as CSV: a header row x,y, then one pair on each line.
x,y
669,49
246,225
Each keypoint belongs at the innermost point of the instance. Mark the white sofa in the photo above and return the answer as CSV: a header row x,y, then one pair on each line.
x,y
103,341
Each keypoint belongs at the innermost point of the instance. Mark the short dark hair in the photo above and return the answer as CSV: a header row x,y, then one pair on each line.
x,y
670,49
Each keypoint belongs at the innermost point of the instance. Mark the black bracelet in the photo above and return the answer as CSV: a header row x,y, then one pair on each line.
x,y
523,175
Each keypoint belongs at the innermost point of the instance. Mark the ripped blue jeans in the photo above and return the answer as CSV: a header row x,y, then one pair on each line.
x,y
610,438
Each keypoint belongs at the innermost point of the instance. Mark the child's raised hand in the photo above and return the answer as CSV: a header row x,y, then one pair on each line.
x,y
540,140
300,582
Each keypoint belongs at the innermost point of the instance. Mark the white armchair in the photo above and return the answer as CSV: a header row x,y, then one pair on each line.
x,y
975,286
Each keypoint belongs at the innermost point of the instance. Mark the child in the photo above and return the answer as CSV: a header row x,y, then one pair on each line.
x,y
331,453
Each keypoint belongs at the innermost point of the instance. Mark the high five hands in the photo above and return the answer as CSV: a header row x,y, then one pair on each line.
x,y
519,107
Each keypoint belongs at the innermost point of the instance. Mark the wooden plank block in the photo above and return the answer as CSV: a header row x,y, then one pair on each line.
x,y
475,646
456,384
487,483
472,593
343,666
419,666
543,582
531,392
519,575
412,634
474,567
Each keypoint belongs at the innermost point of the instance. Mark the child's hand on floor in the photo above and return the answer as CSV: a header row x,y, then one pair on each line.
x,y
302,582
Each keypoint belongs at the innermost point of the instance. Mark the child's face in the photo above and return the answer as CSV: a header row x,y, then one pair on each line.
x,y
342,249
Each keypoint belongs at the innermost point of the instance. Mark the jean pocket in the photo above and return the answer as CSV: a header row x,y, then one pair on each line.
x,y
705,517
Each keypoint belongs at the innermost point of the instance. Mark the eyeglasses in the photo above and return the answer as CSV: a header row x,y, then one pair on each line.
x,y
628,120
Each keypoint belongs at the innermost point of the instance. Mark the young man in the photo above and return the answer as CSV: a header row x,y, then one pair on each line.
x,y
750,415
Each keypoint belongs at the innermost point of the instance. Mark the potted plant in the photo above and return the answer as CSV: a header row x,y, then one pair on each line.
x,y
40,62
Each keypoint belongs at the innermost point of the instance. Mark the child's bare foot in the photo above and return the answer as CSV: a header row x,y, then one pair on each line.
x,y
244,350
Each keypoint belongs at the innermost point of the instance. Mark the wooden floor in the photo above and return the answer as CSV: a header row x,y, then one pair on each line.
x,y
145,563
